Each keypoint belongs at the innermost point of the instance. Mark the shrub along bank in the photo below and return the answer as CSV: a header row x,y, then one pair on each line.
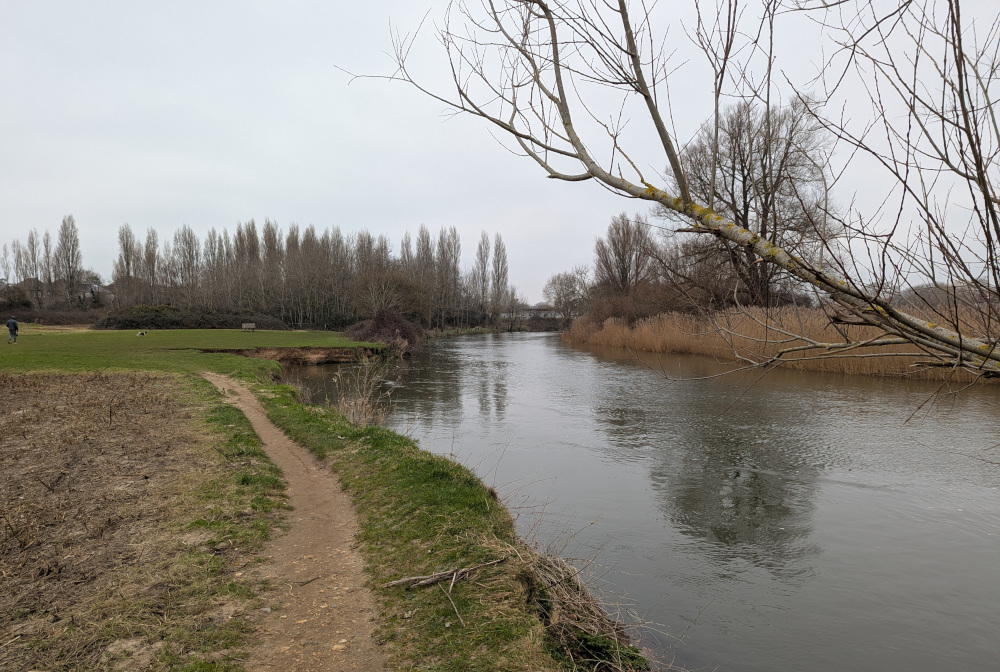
x,y
170,317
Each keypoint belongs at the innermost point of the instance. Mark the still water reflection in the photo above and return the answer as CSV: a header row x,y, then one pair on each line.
x,y
798,521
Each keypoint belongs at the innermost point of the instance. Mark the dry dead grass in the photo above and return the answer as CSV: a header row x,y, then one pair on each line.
x,y
758,335
96,474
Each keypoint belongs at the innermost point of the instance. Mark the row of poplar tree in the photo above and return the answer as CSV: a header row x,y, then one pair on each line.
x,y
316,278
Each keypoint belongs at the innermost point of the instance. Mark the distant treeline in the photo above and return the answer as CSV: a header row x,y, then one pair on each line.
x,y
42,273
303,277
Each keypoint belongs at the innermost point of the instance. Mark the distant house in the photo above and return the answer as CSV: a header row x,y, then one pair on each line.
x,y
542,310
86,290
33,288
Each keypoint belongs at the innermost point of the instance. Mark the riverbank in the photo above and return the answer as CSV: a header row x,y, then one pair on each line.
x,y
774,519
759,336
496,603
305,356
456,586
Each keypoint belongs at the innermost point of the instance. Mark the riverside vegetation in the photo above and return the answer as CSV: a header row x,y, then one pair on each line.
x,y
755,335
185,520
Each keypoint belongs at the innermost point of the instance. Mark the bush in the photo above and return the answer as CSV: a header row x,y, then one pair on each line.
x,y
170,317
53,316
390,328
536,323
644,300
13,298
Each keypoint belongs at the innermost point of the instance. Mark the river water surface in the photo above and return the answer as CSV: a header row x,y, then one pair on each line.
x,y
793,522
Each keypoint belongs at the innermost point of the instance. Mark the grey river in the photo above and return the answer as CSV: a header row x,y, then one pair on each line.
x,y
792,522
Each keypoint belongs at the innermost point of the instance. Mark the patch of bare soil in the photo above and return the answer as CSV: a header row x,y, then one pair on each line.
x,y
324,615
303,355
89,465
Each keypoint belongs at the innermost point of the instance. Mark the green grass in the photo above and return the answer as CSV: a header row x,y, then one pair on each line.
x,y
41,348
420,513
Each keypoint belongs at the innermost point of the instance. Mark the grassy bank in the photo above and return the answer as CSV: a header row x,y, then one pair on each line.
x,y
190,608
422,514
759,336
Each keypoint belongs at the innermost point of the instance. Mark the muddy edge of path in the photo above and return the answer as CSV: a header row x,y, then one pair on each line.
x,y
325,619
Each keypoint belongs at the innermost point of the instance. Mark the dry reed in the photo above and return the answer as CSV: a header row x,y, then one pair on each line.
x,y
361,396
754,335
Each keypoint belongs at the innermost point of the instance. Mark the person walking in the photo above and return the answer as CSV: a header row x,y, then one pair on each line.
x,y
12,328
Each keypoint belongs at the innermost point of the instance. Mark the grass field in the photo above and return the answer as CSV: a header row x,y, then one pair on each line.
x,y
42,348
131,499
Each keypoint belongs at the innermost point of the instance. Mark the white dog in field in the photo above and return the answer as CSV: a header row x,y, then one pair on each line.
x,y
141,333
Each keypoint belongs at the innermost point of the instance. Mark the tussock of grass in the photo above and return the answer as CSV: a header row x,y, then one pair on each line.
x,y
421,514
744,332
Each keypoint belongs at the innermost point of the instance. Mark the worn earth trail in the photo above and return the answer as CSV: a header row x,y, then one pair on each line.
x,y
325,617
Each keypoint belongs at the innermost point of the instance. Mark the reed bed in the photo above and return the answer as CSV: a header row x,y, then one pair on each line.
x,y
754,335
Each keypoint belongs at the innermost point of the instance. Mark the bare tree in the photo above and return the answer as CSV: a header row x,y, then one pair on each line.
x,y
716,38
481,273
766,171
309,278
5,262
126,268
530,68
449,275
187,261
272,277
425,276
32,261
932,71
569,292
149,267
68,256
246,251
48,270
406,251
499,290
20,261
213,256
623,259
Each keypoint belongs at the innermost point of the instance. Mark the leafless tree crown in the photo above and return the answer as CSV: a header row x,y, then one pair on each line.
x,y
542,71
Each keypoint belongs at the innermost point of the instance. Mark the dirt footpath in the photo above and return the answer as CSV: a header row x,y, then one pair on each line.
x,y
324,622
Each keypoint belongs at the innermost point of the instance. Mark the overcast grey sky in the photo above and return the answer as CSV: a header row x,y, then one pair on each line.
x,y
212,113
